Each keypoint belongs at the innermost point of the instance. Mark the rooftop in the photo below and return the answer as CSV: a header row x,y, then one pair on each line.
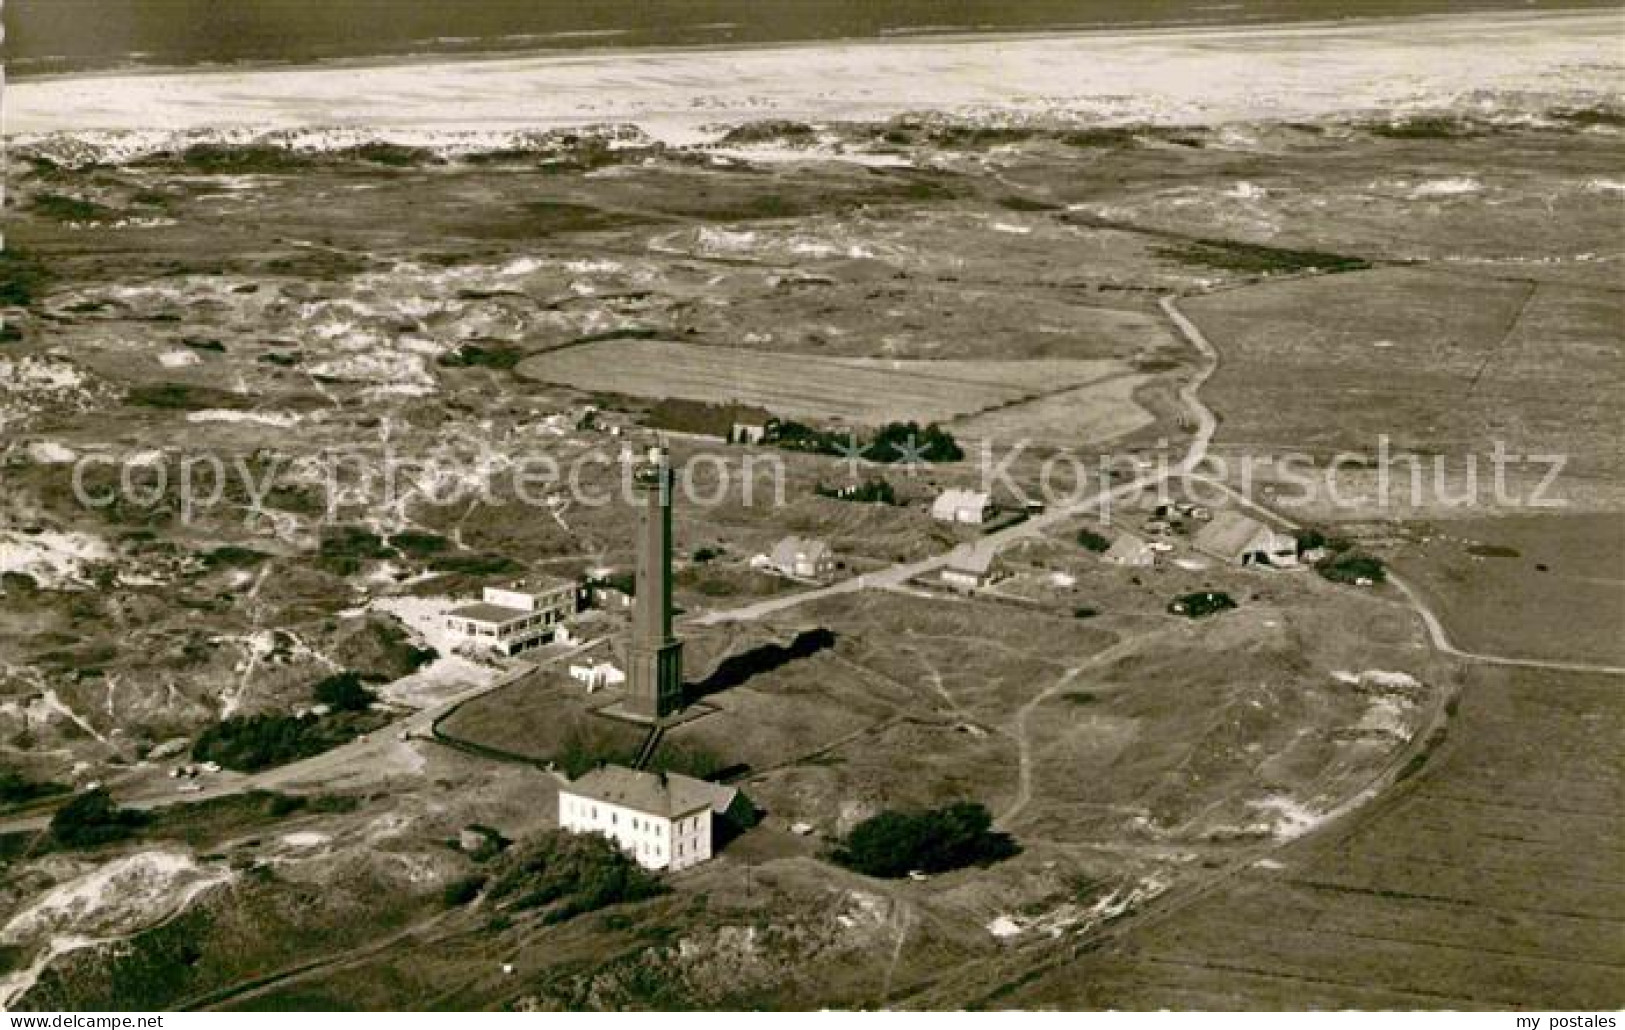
x,y
488,613
1229,534
670,795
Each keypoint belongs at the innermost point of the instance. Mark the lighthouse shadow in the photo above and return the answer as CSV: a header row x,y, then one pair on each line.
x,y
737,670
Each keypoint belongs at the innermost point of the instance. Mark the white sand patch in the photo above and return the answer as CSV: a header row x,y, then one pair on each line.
x,y
50,452
178,358
305,839
1004,926
54,559
1063,580
1387,715
1451,187
1008,227
1246,191
445,677
1605,186
119,897
277,419
1191,564
1285,818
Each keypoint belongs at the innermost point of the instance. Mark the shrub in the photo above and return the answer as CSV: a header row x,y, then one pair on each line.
x,y
1201,604
343,692
873,491
21,276
894,844
1090,540
567,874
462,890
69,209
249,743
92,818
17,789
1351,567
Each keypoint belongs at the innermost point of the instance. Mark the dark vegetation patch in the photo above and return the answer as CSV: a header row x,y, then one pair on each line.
x,y
1085,612
17,789
231,556
770,131
566,874
202,343
184,397
1201,604
498,356
249,743
894,844
1427,127
22,276
1257,259
92,819
1493,551
892,443
547,217
475,564
391,154
234,159
1017,203
69,209
737,670
343,692
1090,540
1587,117
1352,567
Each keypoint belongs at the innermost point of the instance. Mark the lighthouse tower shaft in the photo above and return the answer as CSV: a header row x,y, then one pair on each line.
x,y
655,657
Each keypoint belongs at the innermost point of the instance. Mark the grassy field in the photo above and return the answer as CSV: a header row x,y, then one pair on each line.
x,y
856,391
1490,879
1532,586
1441,362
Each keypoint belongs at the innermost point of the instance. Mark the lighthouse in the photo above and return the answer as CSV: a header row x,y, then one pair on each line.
x,y
655,656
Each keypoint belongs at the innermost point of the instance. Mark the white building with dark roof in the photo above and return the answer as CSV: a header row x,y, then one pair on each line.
x,y
514,617
664,820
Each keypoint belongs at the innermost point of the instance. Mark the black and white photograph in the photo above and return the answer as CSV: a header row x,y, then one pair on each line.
x,y
813,506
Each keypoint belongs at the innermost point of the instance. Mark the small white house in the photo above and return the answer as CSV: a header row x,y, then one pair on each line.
x,y
597,675
664,820
969,507
970,568
1131,551
804,557
512,618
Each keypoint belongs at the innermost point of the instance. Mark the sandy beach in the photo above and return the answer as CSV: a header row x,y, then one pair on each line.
x,y
1169,76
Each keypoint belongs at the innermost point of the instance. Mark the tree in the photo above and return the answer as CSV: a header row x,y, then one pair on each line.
x,y
894,844
92,818
1093,541
343,692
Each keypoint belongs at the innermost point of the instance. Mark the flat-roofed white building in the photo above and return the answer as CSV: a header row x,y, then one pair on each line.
x,y
971,507
664,820
511,618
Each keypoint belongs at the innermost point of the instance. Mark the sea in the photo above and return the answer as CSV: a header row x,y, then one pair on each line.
x,y
64,37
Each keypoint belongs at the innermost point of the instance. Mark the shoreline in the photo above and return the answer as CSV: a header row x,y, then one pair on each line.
x,y
901,39
1165,74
